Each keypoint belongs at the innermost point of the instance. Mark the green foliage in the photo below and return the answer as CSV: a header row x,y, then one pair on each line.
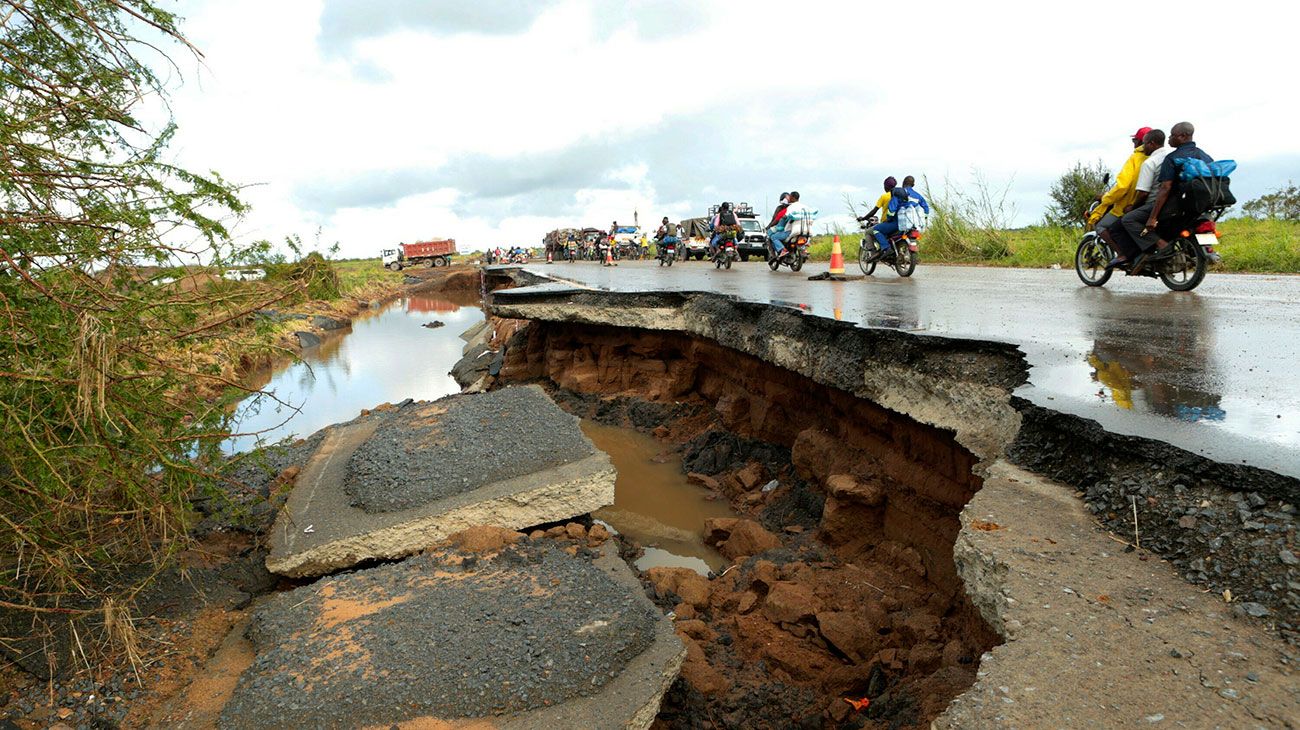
x,y
103,431
1281,204
1074,191
969,225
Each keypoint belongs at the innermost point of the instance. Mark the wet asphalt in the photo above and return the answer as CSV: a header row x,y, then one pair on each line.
x,y
528,628
415,458
1212,371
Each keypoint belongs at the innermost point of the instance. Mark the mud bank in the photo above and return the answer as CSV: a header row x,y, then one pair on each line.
x,y
891,437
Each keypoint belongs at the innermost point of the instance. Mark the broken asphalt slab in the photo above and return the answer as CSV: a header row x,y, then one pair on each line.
x,y
394,482
527,636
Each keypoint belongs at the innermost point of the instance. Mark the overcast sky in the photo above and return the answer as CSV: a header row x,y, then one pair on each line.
x,y
494,121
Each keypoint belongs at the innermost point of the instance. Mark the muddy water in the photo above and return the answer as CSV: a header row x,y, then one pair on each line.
x,y
385,357
653,502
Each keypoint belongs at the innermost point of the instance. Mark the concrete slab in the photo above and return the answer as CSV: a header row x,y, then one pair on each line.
x,y
527,636
390,484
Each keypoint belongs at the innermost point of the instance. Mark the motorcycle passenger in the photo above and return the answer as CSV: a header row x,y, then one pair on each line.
x,y
1153,144
1120,196
1140,223
882,206
724,223
665,236
797,220
780,210
914,198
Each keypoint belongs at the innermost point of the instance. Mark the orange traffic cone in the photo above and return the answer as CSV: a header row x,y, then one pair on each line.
x,y
548,255
837,257
609,255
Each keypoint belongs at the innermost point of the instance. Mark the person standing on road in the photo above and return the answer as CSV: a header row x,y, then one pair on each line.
x,y
1120,196
1140,223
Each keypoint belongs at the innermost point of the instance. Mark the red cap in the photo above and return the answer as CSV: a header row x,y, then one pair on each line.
x,y
1137,136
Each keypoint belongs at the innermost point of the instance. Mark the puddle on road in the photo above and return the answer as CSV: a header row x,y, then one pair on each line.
x,y
385,356
654,504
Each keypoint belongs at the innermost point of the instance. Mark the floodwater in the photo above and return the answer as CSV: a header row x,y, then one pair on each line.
x,y
654,504
386,356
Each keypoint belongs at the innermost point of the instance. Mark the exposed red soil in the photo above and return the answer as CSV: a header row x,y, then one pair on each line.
x,y
864,603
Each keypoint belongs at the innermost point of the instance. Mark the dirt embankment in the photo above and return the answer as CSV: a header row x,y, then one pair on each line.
x,y
844,586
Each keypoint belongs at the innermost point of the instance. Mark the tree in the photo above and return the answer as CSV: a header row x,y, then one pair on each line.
x,y
103,434
1074,191
1281,204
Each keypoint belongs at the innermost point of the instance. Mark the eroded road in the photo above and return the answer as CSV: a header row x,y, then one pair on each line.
x,y
1212,371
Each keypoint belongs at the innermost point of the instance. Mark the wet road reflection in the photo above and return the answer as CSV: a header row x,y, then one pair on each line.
x,y
385,356
653,502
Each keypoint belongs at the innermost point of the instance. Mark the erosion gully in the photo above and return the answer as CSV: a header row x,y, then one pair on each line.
x,y
801,525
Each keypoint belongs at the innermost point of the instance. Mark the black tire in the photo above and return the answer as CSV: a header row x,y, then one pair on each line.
x,y
904,261
439,263
727,259
1187,256
699,256
796,261
670,260
744,258
774,263
427,263
1090,260
394,266
865,260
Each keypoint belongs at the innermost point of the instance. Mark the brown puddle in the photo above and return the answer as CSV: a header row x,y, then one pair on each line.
x,y
654,504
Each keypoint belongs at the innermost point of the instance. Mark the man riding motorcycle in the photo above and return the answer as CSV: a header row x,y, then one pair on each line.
x,y
725,225
665,237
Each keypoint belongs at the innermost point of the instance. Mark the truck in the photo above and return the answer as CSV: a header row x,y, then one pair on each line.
x,y
695,238
437,252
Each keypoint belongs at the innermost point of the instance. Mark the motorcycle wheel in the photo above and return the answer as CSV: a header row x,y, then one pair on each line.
x,y
670,260
774,263
661,261
796,262
1185,269
728,262
717,262
866,258
905,263
1090,260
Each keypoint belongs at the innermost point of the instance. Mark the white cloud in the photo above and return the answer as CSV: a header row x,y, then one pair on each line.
x,y
495,121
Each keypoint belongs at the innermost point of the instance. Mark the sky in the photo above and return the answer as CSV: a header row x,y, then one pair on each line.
x,y
369,122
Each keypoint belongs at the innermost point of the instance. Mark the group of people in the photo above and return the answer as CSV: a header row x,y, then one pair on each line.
x,y
1127,213
500,255
895,206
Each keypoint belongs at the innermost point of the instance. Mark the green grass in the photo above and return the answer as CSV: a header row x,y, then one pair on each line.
x,y
1247,245
361,277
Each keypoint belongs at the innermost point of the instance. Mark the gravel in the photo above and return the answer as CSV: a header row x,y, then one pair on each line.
x,y
419,455
444,635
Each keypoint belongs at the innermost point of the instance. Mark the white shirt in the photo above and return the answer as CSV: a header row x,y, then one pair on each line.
x,y
1150,169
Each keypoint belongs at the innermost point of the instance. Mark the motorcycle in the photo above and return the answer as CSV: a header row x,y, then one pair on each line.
x,y
666,253
794,255
519,258
901,254
602,251
571,252
725,254
1192,239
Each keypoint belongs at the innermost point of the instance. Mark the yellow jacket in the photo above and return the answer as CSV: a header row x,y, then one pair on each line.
x,y
1121,194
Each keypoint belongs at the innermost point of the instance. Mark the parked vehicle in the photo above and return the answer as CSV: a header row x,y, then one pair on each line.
x,y
428,254
901,254
626,238
695,238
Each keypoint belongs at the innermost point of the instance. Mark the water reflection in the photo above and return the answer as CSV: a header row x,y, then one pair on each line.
x,y
653,502
1164,370
386,356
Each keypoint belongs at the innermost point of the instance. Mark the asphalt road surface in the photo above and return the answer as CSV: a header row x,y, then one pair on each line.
x,y
1215,371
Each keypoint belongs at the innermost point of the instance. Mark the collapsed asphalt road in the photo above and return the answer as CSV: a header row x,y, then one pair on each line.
x,y
1208,371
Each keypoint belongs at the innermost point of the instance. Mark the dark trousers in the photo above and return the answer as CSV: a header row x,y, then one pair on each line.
x,y
1135,220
